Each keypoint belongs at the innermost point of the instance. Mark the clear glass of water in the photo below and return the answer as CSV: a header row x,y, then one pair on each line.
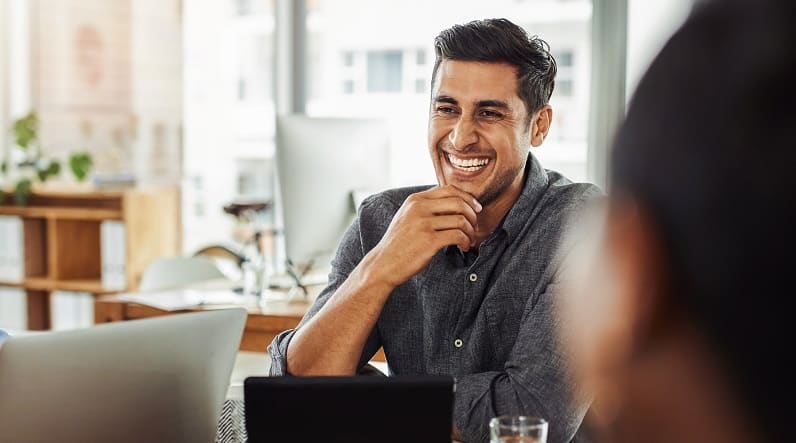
x,y
517,429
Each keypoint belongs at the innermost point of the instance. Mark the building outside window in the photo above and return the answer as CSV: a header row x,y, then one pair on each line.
x,y
374,59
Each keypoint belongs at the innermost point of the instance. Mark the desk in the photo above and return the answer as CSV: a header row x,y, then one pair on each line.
x,y
266,318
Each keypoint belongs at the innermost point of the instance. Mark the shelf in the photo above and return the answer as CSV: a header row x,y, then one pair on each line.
x,y
11,284
62,213
37,283
92,286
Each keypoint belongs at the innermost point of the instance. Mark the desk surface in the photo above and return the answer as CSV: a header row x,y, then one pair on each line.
x,y
268,316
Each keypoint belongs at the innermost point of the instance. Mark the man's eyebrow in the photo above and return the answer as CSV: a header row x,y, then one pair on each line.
x,y
480,103
446,99
492,104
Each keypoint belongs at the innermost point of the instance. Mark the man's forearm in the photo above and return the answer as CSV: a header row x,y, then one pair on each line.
x,y
332,342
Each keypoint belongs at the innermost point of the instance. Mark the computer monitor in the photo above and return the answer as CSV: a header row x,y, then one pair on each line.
x,y
323,164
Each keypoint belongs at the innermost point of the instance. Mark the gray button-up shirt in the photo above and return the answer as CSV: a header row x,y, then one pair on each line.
x,y
487,318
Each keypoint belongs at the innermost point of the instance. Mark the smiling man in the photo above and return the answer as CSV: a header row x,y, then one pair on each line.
x,y
460,279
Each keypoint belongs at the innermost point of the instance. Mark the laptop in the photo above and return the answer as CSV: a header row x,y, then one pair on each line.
x,y
161,379
349,409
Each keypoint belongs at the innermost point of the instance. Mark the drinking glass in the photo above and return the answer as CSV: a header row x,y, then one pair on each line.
x,y
518,429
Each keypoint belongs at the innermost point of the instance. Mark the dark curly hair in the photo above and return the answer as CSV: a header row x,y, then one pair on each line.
x,y
501,41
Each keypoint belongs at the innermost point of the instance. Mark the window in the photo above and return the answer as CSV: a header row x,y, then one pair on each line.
x,y
420,85
348,58
420,58
228,72
565,79
385,71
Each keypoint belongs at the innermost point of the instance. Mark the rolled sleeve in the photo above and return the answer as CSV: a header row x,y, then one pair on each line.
x,y
349,254
534,382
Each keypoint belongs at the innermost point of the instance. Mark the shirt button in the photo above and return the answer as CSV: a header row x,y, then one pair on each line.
x,y
473,277
458,343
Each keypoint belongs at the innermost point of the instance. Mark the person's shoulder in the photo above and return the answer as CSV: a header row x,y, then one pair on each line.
x,y
564,194
389,201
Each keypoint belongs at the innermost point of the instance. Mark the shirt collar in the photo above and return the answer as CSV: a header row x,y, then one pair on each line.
x,y
536,184
533,189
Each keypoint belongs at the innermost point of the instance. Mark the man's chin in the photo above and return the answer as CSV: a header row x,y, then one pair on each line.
x,y
475,191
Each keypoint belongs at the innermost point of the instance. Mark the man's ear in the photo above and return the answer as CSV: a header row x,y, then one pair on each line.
x,y
540,125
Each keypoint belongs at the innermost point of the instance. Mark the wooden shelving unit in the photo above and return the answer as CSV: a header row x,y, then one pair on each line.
x,y
62,239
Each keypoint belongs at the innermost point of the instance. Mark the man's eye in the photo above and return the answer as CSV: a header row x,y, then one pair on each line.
x,y
491,114
445,110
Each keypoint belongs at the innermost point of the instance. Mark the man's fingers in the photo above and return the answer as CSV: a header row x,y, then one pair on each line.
x,y
453,237
450,206
455,221
451,191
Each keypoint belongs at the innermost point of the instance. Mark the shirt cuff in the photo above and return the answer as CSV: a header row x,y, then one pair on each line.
x,y
278,352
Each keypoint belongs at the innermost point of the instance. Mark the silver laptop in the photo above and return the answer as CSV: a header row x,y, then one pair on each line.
x,y
153,380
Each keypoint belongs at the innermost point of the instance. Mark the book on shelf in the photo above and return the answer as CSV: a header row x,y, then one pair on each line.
x,y
12,251
113,251
71,310
13,309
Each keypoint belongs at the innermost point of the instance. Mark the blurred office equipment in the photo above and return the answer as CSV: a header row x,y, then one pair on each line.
x,y
86,241
322,163
175,272
126,382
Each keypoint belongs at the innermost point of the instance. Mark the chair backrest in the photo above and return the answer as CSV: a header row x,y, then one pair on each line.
x,y
175,272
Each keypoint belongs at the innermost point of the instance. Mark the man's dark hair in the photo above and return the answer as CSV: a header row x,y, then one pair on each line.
x,y
501,41
708,149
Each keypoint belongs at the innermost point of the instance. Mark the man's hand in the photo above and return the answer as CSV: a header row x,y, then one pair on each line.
x,y
331,343
425,223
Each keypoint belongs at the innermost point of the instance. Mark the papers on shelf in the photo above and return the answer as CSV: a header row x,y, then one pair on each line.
x,y
113,254
13,309
178,299
71,310
12,253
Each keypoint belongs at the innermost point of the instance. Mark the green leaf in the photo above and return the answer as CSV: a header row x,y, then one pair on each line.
x,y
80,163
25,130
53,168
22,192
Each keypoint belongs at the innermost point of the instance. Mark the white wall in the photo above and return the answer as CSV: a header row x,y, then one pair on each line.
x,y
17,70
650,24
3,74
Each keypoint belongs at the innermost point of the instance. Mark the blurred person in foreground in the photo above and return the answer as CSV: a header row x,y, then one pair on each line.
x,y
459,279
681,326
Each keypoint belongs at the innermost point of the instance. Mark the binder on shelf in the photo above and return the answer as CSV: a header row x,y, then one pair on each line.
x,y
12,252
71,310
13,309
113,253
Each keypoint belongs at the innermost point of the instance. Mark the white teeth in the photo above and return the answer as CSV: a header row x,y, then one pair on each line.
x,y
472,164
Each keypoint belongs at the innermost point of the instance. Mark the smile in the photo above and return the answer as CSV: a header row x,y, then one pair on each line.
x,y
468,164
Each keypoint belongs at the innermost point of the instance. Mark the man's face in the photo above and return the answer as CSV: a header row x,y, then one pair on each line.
x,y
478,132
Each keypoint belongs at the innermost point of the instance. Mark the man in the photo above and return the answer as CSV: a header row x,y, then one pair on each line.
x,y
689,338
459,279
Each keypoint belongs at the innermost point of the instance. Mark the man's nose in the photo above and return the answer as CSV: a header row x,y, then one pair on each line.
x,y
463,134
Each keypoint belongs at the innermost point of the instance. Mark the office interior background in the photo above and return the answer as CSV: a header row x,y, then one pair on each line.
x,y
186,92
